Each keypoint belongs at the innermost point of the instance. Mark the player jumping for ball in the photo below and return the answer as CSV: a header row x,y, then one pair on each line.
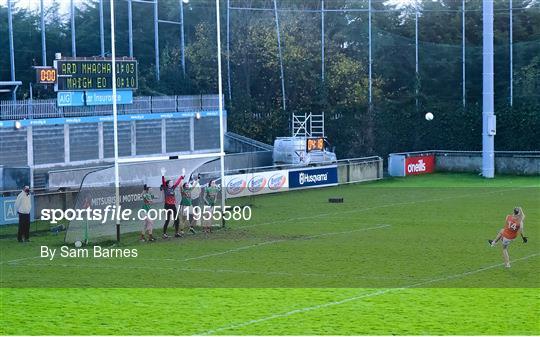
x,y
186,204
148,225
513,226
170,204
210,195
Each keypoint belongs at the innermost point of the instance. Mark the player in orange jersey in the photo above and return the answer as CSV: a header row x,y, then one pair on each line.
x,y
512,227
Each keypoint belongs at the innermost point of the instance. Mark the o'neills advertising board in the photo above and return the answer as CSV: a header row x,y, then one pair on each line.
x,y
419,165
240,185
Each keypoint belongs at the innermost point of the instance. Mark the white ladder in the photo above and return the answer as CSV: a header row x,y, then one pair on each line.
x,y
308,125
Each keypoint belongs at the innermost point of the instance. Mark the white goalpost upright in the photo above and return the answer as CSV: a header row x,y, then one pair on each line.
x,y
118,160
115,125
220,93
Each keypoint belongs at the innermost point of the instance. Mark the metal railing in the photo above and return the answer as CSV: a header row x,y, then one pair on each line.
x,y
341,162
47,108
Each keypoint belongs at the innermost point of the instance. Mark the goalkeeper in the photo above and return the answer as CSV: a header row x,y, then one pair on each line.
x,y
211,192
170,204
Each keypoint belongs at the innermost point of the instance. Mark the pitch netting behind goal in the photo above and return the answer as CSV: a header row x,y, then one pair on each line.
x,y
97,192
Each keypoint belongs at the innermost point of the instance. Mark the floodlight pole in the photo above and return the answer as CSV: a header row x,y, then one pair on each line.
x,y
369,55
280,56
322,41
156,38
73,45
229,50
416,57
463,88
115,127
11,51
488,116
101,29
43,43
182,39
511,37
130,27
221,129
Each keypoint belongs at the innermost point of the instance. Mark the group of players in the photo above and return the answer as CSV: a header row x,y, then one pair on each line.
x,y
514,223
180,216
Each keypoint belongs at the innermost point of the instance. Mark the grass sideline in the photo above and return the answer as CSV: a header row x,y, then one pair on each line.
x,y
401,256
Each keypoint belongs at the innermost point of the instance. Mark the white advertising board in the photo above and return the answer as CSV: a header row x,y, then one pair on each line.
x,y
241,185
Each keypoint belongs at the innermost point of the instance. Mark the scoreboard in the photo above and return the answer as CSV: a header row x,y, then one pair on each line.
x,y
45,75
77,74
314,144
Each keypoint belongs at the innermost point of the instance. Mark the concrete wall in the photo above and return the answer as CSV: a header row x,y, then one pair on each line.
x,y
53,201
505,163
359,171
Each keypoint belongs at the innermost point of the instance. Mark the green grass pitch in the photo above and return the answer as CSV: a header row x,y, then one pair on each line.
x,y
402,256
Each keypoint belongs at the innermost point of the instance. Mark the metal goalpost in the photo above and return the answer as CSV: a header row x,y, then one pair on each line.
x,y
117,160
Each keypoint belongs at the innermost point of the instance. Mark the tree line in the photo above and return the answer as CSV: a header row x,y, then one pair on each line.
x,y
393,121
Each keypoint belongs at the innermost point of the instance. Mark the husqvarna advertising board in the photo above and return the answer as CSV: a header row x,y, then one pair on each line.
x,y
240,185
313,177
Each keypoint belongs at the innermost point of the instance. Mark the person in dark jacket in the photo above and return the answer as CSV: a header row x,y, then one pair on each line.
x,y
170,204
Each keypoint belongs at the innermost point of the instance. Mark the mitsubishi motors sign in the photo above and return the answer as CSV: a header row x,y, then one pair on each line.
x,y
419,165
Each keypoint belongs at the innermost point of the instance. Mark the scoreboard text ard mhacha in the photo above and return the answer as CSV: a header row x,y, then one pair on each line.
x,y
95,74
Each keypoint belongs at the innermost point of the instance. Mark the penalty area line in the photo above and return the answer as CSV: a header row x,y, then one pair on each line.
x,y
356,298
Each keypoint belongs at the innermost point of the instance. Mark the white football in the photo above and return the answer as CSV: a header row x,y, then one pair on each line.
x,y
429,116
78,244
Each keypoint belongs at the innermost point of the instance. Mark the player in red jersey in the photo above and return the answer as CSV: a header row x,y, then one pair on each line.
x,y
512,227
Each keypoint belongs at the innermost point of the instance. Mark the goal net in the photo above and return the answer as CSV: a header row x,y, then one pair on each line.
x,y
97,194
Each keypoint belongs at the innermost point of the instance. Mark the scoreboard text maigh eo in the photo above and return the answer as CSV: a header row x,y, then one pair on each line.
x,y
95,74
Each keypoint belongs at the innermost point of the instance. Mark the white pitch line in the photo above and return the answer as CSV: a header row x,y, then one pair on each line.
x,y
355,298
264,243
322,215
17,260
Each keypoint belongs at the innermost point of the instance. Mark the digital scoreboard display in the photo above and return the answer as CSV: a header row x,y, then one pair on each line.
x,y
76,74
45,75
314,144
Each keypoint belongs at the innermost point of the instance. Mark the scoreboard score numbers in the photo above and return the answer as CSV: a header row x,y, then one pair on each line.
x,y
314,144
45,75
77,74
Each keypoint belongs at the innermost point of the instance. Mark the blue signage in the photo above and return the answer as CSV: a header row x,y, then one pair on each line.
x,y
8,212
121,118
105,97
313,177
70,98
